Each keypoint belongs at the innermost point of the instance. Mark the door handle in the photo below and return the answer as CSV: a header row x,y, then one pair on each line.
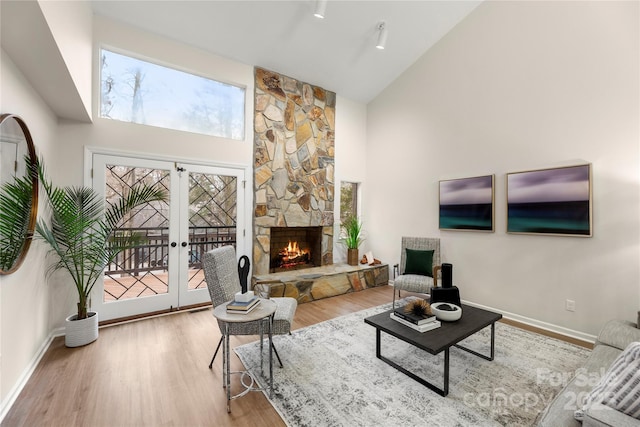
x,y
174,244
183,244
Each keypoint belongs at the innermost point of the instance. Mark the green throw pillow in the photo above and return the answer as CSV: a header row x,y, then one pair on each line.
x,y
419,262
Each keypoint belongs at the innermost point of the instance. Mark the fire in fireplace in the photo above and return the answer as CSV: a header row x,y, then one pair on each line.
x,y
294,248
292,256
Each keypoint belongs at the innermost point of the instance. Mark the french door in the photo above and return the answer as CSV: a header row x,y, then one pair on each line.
x,y
164,271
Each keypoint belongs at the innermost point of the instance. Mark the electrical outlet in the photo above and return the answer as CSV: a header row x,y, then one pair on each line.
x,y
570,305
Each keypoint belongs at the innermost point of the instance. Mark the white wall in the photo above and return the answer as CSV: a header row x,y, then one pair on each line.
x,y
351,149
24,295
519,86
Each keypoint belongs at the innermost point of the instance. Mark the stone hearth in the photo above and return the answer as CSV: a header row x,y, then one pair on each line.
x,y
322,282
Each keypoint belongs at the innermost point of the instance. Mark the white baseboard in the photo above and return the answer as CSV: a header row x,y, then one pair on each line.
x,y
539,324
15,391
536,323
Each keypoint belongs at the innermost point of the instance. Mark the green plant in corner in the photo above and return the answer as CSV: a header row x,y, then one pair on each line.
x,y
84,233
352,232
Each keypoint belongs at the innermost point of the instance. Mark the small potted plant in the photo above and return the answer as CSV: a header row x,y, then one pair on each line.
x,y
352,238
83,236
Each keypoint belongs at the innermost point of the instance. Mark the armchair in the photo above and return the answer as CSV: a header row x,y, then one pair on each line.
x,y
221,273
414,273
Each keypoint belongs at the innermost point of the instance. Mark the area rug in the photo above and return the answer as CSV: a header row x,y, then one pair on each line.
x,y
331,377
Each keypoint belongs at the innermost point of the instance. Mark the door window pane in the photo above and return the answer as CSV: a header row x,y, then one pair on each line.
x,y
137,91
143,270
212,219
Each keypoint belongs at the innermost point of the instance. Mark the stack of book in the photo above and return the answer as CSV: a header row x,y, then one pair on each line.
x,y
419,323
242,307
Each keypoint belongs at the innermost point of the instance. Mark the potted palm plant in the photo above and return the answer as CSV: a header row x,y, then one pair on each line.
x,y
352,238
84,238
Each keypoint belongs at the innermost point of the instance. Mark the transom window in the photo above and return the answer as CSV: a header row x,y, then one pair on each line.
x,y
137,91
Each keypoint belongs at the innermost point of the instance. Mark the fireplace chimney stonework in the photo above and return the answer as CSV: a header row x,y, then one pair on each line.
x,y
294,135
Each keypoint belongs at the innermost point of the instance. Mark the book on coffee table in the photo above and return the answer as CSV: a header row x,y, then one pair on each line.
x,y
413,318
420,328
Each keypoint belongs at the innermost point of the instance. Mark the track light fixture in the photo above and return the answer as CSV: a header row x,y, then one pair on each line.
x,y
382,36
321,6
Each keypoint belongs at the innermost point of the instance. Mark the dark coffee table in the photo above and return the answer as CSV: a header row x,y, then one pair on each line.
x,y
437,340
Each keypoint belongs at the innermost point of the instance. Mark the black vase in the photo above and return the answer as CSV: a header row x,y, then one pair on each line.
x,y
447,275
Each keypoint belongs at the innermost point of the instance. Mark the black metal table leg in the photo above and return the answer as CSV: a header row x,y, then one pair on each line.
x,y
216,352
446,373
441,391
475,353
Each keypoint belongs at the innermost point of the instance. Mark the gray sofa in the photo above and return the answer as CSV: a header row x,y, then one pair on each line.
x,y
613,338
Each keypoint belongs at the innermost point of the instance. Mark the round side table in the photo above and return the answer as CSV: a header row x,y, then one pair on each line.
x,y
263,311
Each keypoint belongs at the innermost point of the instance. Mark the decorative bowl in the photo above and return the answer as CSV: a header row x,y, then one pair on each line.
x,y
439,309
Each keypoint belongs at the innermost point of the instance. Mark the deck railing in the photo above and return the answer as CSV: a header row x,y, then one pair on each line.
x,y
153,253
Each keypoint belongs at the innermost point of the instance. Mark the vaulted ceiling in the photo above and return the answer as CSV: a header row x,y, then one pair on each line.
x,y
337,52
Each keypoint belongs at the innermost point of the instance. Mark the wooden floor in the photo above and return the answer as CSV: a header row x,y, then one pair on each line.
x,y
154,372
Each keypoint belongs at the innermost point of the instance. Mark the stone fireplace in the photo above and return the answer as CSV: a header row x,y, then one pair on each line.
x,y
294,134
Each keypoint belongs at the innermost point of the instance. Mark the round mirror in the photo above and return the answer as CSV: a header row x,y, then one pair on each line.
x,y
18,192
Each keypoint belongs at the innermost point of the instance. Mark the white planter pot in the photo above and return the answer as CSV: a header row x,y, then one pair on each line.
x,y
81,332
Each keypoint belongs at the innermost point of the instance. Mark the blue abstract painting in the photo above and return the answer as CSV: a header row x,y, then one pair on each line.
x,y
467,204
550,201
